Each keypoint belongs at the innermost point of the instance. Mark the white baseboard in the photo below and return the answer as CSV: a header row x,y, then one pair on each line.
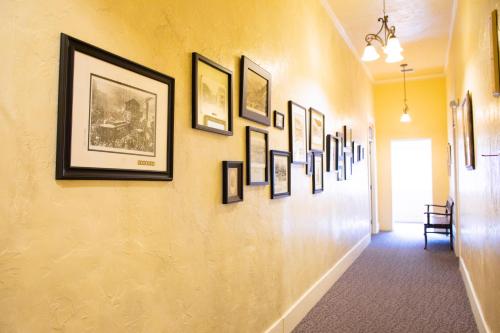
x,y
482,326
306,302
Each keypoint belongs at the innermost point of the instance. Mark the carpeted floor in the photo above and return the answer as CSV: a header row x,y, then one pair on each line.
x,y
396,286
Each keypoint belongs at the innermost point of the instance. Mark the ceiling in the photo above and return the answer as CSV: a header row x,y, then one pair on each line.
x,y
422,26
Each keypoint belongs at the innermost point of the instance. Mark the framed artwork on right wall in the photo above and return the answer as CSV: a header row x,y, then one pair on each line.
x,y
496,54
468,130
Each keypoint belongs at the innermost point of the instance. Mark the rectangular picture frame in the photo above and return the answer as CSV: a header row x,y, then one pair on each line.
x,y
115,117
332,147
252,96
316,130
495,53
208,93
468,130
279,120
318,172
232,171
278,171
297,132
253,150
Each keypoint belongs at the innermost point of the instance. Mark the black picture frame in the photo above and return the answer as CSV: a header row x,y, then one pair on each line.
x,y
315,188
496,53
353,152
249,130
312,147
226,197
468,132
291,133
64,170
196,59
340,157
247,65
288,192
332,147
277,122
308,165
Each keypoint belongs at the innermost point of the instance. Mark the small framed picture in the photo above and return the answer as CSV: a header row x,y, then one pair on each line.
x,y
297,129
232,181
279,120
332,146
309,164
255,92
359,153
316,130
115,117
257,157
317,178
340,158
496,54
280,174
468,130
212,96
347,166
347,136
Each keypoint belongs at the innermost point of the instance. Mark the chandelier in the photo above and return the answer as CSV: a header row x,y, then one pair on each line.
x,y
405,117
386,36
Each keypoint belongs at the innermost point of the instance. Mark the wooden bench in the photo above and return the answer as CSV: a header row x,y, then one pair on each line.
x,y
440,218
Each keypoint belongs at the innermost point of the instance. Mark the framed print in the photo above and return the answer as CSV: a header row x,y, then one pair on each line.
x,y
115,117
316,130
257,162
232,181
212,99
332,146
340,158
255,92
495,51
280,174
353,152
317,178
309,164
358,153
347,166
279,120
297,130
468,129
347,138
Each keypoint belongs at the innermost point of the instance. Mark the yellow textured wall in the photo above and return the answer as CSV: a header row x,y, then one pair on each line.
x,y
470,68
115,256
427,107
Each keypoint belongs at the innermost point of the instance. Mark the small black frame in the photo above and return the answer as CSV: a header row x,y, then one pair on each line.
x,y
248,151
64,170
275,195
196,58
276,123
311,111
314,188
226,165
248,65
332,153
290,131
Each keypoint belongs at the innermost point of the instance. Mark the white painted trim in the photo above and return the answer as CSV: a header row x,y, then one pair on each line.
x,y
482,326
450,33
414,78
308,300
345,37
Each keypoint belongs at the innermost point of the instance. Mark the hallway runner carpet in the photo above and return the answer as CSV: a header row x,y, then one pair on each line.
x,y
396,286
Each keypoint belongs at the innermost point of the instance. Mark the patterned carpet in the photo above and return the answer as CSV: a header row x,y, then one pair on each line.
x,y
396,286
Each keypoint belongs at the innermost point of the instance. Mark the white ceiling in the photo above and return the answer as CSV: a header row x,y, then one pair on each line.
x,y
422,26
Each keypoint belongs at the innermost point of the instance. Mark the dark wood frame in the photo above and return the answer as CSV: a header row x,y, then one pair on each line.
x,y
468,130
249,162
226,165
496,53
195,59
340,158
353,152
275,153
332,147
308,165
290,130
275,118
245,65
65,115
314,189
311,110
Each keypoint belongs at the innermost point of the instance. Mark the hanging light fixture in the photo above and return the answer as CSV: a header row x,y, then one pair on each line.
x,y
386,36
405,117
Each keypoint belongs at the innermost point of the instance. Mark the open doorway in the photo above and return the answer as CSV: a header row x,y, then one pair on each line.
x,y
411,165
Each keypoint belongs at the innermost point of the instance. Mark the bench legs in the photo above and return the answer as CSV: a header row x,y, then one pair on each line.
x,y
425,236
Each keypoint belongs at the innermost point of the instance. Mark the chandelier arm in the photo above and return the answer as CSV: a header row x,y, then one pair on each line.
x,y
371,37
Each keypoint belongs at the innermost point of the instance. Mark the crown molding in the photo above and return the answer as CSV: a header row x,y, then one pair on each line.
x,y
450,33
347,40
414,78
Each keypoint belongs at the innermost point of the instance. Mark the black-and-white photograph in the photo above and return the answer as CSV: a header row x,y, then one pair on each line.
x,y
317,177
255,92
297,124
280,174
257,162
279,120
122,118
232,181
317,130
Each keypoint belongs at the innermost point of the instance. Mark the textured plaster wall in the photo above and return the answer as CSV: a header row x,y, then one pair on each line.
x,y
470,68
427,103
115,256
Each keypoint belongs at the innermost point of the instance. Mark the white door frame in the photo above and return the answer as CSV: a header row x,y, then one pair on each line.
x,y
454,177
372,181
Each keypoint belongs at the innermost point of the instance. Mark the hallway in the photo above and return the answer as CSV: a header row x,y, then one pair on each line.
x,y
396,286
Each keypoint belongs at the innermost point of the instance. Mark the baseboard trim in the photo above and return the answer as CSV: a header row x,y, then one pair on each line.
x,y
482,326
306,302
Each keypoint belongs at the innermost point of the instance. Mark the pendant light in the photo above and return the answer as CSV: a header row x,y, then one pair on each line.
x,y
386,36
405,117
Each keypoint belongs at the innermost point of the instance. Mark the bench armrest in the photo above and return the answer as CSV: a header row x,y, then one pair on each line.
x,y
433,213
435,205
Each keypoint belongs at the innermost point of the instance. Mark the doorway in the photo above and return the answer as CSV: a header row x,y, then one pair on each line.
x,y
411,169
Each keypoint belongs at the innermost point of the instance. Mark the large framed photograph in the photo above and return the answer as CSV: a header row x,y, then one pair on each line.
x,y
332,147
279,120
297,130
212,96
257,157
316,130
468,129
115,118
232,181
280,174
255,92
496,55
317,178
